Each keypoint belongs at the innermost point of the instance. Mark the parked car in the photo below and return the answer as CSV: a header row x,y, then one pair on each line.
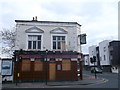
x,y
96,70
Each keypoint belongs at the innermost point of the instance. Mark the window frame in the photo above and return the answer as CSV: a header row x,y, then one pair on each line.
x,y
58,35
34,43
104,57
27,34
104,49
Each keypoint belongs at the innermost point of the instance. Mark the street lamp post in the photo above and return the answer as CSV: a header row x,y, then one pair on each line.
x,y
16,73
17,68
46,66
82,41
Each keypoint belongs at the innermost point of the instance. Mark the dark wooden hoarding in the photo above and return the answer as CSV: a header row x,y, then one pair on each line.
x,y
39,68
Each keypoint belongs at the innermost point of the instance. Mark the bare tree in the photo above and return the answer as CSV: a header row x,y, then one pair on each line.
x,y
8,41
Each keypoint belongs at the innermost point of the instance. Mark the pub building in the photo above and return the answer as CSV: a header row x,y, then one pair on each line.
x,y
47,50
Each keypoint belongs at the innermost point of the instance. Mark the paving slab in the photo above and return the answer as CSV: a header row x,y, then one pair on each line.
x,y
87,80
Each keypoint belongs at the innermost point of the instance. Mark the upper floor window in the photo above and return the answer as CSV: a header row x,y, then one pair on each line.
x,y
59,43
104,57
104,49
34,41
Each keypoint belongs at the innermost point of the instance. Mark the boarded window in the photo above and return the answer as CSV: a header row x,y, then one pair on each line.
x,y
38,65
66,65
63,45
26,65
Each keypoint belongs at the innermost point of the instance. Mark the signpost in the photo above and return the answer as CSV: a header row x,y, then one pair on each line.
x,y
82,41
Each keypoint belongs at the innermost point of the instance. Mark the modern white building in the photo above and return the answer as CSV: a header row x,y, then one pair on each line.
x,y
0,44
51,35
0,50
86,60
92,52
104,53
119,20
0,65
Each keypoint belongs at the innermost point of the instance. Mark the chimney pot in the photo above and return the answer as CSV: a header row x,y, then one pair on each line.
x,y
36,18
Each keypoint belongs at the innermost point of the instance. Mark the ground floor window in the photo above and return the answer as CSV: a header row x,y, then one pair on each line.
x,y
38,65
26,65
66,65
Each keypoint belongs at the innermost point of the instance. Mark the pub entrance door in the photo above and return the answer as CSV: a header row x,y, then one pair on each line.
x,y
52,71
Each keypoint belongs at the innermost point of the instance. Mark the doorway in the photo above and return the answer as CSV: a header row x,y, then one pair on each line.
x,y
52,71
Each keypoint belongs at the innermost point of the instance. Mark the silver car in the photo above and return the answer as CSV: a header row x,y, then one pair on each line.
x,y
96,70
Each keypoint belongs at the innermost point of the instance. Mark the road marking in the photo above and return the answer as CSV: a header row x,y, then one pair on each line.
x,y
99,82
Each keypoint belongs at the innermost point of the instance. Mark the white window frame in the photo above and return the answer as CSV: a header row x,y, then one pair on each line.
x,y
27,34
58,35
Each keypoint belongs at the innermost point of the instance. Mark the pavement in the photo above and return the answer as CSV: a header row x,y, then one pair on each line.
x,y
87,80
0,82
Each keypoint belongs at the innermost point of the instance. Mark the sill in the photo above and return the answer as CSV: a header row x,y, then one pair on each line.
x,y
33,49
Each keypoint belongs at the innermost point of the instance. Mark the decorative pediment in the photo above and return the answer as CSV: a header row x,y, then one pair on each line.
x,y
34,30
58,31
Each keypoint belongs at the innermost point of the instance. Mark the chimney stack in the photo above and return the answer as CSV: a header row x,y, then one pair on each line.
x,y
35,18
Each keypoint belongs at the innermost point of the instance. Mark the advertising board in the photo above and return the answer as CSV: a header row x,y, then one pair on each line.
x,y
6,67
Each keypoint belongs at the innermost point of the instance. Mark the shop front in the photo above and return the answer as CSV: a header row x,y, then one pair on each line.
x,y
42,65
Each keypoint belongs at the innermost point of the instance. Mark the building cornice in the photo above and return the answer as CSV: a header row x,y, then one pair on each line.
x,y
54,22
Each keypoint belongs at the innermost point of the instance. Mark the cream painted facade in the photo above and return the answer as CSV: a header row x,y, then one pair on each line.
x,y
48,29
92,52
104,52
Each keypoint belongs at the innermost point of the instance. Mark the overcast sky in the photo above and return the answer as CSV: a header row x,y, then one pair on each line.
x,y
99,18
